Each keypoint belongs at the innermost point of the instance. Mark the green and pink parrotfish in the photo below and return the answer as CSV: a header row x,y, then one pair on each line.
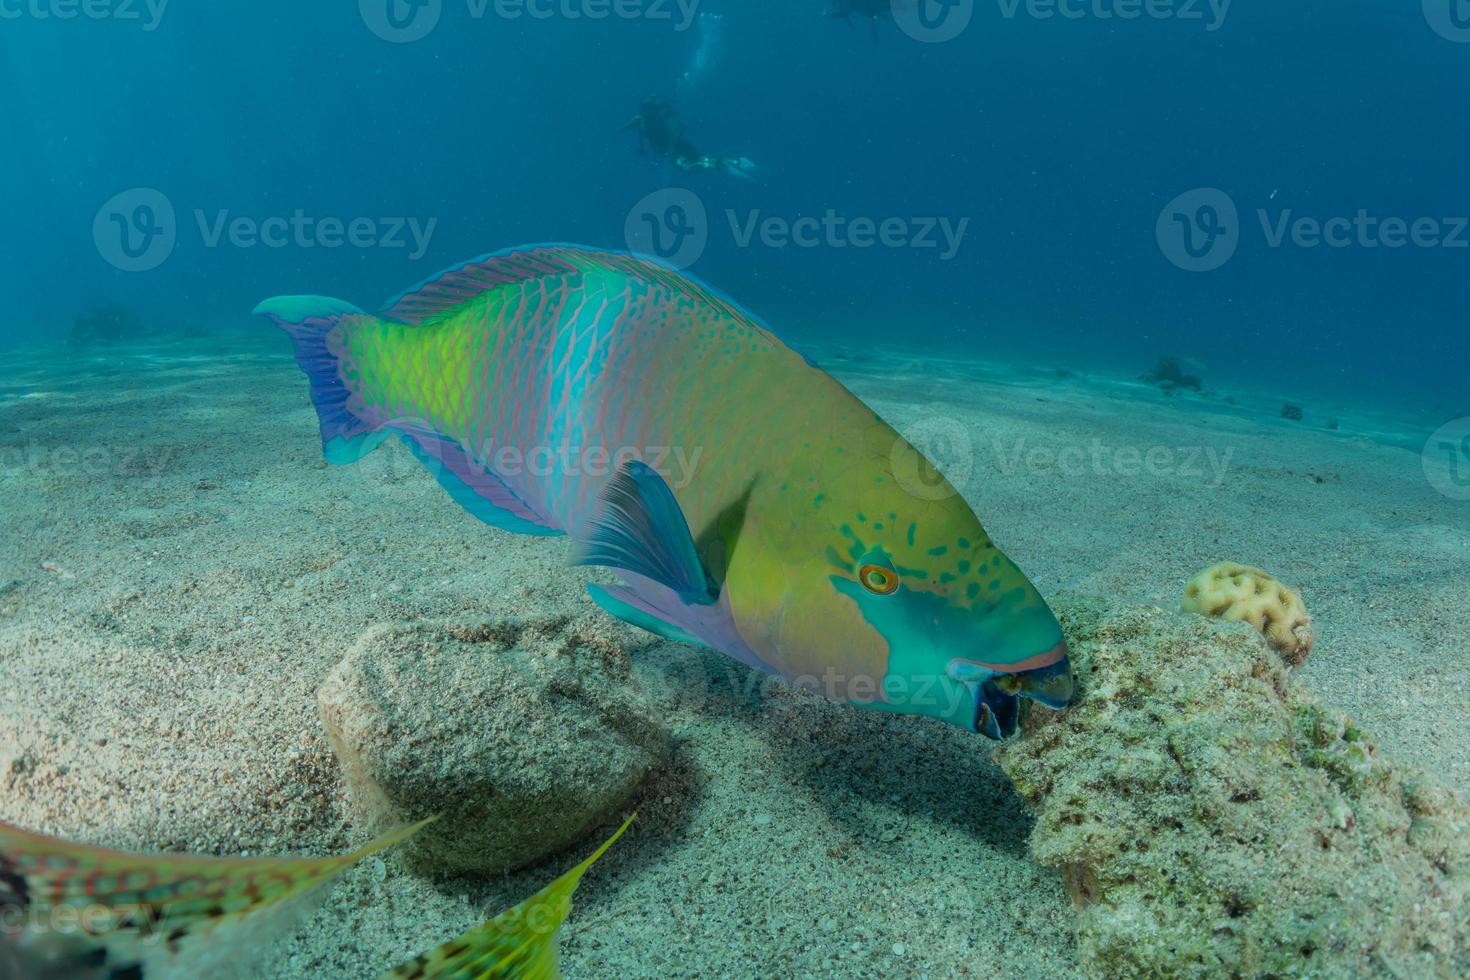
x,y
746,500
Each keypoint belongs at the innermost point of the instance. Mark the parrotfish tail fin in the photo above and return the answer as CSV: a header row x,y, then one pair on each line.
x,y
319,328
518,944
316,325
72,911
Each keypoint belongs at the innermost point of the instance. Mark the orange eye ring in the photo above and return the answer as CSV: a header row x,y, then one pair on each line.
x,y
878,580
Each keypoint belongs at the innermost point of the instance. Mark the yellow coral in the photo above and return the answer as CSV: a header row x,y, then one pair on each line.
x,y
1241,593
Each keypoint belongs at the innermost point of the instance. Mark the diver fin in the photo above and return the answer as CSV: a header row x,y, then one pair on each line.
x,y
625,603
642,530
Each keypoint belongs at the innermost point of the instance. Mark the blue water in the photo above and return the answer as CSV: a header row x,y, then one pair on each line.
x,y
1060,141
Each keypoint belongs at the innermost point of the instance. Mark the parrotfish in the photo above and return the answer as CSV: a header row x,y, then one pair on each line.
x,y
744,498
518,944
72,912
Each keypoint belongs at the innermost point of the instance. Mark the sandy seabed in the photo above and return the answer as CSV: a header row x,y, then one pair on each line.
x,y
179,571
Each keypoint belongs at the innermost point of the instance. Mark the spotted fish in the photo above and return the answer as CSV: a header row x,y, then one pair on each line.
x,y
72,912
746,500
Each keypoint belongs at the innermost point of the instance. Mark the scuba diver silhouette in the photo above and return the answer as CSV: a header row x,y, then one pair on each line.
x,y
661,134
874,10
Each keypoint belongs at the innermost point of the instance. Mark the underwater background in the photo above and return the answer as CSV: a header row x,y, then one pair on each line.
x,y
1059,140
1172,294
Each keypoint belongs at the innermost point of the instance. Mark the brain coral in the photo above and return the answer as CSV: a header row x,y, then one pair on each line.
x,y
1240,593
1211,819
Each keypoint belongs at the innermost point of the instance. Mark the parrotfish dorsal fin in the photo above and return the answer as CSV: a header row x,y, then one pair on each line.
x,y
518,944
451,288
642,530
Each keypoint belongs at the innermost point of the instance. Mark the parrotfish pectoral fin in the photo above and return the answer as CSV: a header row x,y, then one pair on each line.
x,y
642,530
518,944
643,535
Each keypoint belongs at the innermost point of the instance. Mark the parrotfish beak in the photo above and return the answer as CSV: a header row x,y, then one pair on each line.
x,y
997,694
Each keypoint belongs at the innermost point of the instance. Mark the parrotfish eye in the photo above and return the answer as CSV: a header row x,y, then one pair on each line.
x,y
878,580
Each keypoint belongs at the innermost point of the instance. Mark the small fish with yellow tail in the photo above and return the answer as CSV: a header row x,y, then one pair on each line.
x,y
72,912
518,944
746,499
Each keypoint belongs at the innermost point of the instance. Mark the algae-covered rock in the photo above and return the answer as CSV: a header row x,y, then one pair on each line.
x,y
520,736
106,324
1211,819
